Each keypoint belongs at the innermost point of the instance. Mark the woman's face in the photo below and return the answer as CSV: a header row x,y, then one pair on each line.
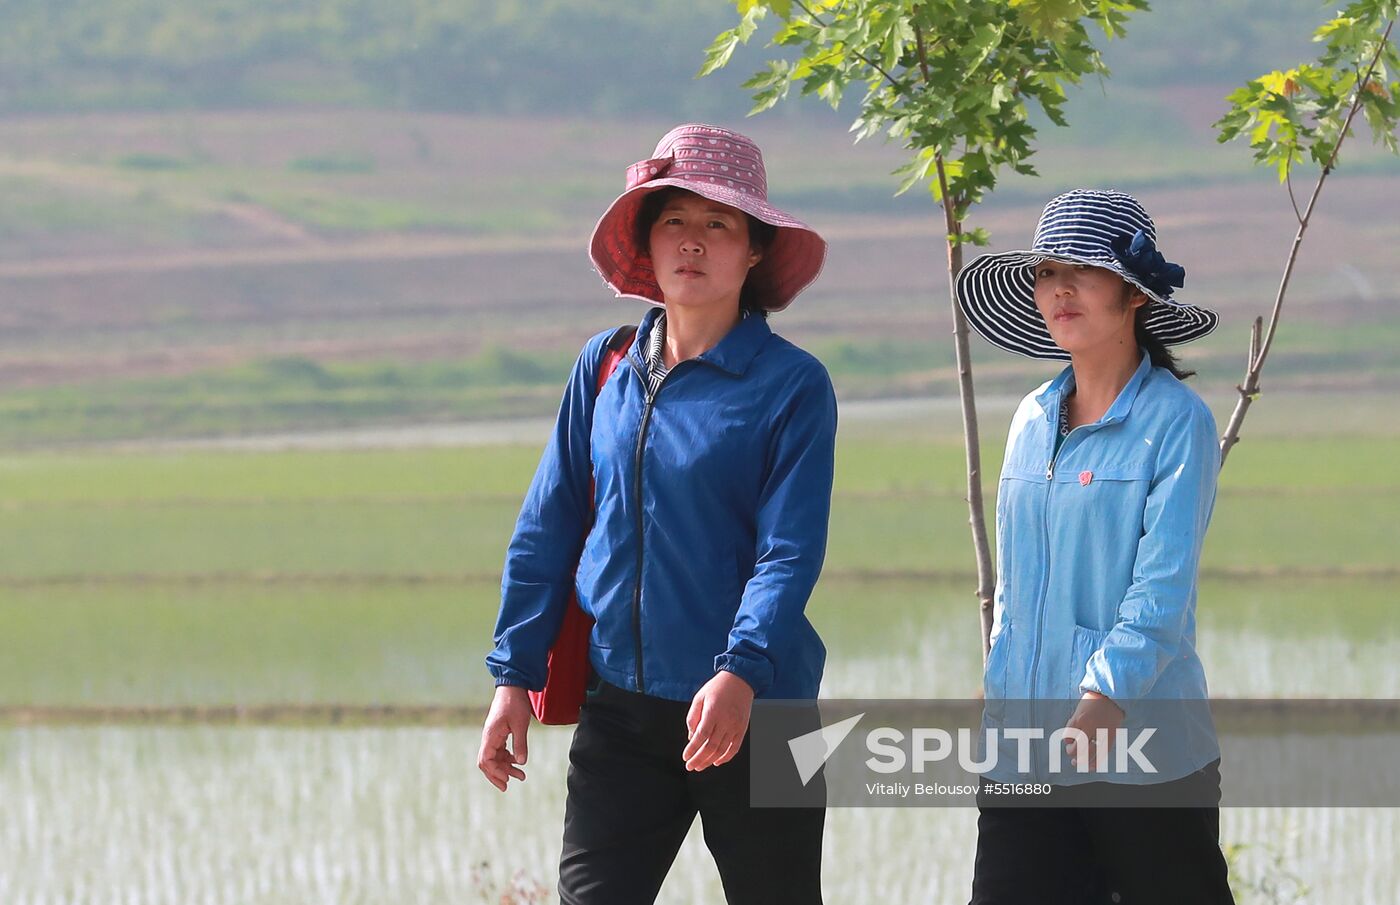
x,y
1084,307
700,250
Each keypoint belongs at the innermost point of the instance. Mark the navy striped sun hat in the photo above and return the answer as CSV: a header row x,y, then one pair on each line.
x,y
1099,228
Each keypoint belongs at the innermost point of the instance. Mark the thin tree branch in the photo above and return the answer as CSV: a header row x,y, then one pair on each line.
x,y
923,53
860,56
1326,171
1249,388
1288,180
1255,331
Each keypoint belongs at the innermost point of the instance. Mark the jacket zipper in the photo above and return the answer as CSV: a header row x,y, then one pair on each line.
x,y
643,374
1045,575
637,591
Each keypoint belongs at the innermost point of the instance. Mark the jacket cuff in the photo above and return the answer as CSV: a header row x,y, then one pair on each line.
x,y
1091,682
757,672
505,676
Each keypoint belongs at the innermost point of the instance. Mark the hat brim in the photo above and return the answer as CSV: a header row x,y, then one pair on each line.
x,y
996,293
792,262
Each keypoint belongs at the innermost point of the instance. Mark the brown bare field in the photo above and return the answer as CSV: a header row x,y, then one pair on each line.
x,y
234,279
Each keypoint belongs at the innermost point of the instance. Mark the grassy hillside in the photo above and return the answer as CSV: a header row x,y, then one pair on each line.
x,y
512,57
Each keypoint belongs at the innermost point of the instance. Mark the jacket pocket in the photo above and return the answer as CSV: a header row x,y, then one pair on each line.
x,y
996,676
1086,642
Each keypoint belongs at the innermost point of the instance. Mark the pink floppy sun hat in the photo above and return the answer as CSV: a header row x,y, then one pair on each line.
x,y
722,166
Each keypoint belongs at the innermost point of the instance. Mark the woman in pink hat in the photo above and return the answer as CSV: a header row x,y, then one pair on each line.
x,y
684,499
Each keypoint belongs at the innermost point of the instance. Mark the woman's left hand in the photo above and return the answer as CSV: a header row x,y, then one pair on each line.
x,y
1095,712
718,721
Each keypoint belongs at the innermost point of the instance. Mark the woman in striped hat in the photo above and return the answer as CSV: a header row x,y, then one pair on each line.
x,y
1104,498
684,499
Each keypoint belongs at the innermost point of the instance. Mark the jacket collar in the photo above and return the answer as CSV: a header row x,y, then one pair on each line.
x,y
1053,394
733,354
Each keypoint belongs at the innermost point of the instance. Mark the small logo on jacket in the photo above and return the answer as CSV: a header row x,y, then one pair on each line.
x,y
1085,477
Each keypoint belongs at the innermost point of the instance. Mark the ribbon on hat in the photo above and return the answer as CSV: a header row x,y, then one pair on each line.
x,y
646,170
1140,256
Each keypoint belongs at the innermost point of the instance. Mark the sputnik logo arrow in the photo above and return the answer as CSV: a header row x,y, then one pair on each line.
x,y
811,750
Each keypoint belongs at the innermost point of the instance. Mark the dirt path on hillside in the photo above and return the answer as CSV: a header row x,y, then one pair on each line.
x,y
396,248
298,246
393,247
261,220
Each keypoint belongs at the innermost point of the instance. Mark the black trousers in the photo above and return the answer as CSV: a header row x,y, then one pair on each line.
x,y
631,803
1111,855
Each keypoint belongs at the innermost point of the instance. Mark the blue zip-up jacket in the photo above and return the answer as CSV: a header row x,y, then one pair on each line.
x,y
1097,551
712,502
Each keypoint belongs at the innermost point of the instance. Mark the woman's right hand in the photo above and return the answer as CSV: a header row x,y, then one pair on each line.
x,y
508,718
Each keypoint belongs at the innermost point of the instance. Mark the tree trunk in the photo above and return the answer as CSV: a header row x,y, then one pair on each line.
x,y
977,519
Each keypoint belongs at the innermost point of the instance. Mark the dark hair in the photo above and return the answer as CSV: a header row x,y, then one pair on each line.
x,y
761,236
1157,350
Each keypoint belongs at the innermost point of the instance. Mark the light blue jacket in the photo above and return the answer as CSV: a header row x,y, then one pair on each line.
x,y
1097,551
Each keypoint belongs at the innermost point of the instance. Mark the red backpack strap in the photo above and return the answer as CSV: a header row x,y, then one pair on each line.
x,y
567,669
613,352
